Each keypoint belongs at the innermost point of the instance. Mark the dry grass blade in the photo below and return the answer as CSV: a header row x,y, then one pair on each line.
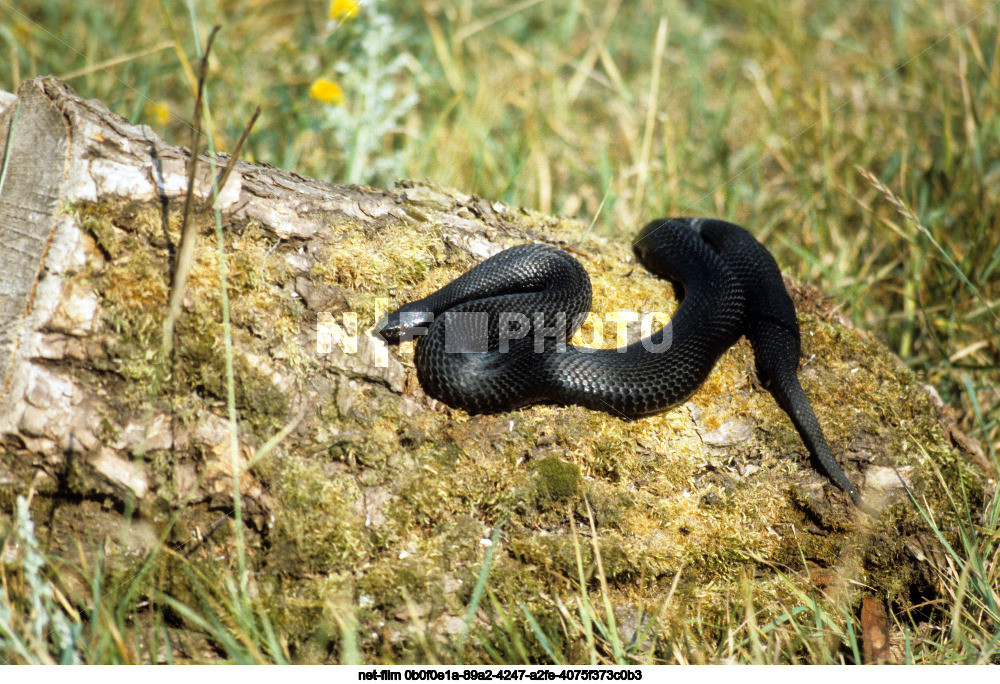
x,y
189,234
236,151
651,111
121,59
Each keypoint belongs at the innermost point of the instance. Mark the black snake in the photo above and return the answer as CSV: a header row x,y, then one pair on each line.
x,y
518,308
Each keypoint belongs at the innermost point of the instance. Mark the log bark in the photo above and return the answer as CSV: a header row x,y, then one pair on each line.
x,y
368,487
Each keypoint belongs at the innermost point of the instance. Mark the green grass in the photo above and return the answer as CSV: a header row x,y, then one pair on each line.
x,y
859,140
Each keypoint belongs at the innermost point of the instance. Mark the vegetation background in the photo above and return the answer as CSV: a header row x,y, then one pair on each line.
x,y
860,140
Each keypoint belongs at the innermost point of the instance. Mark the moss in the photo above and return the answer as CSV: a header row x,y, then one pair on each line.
x,y
15,480
460,541
605,456
447,454
558,554
609,507
319,529
427,498
73,478
557,480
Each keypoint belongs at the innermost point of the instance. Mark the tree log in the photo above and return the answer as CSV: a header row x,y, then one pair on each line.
x,y
356,487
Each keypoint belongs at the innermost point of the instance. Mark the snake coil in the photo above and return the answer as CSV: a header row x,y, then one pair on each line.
x,y
518,308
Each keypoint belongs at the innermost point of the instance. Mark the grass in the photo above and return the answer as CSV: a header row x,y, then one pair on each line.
x,y
858,140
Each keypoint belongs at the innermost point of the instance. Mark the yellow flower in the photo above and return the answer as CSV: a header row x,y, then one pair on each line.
x,y
159,112
344,9
326,91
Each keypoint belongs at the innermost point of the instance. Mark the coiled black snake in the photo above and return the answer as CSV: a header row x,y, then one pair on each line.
x,y
518,308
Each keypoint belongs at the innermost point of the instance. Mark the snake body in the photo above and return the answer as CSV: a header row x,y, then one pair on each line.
x,y
518,308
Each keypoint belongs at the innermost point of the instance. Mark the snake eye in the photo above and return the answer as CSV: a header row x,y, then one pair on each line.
x,y
403,326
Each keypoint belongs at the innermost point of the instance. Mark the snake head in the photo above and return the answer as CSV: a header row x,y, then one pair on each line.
x,y
402,325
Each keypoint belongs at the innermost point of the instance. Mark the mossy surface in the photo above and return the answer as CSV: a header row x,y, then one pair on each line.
x,y
381,506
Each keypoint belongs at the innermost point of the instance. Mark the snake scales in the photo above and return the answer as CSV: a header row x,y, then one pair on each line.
x,y
518,308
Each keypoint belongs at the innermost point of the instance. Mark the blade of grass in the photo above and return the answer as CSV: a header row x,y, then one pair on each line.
x,y
609,613
477,592
539,634
585,609
189,233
